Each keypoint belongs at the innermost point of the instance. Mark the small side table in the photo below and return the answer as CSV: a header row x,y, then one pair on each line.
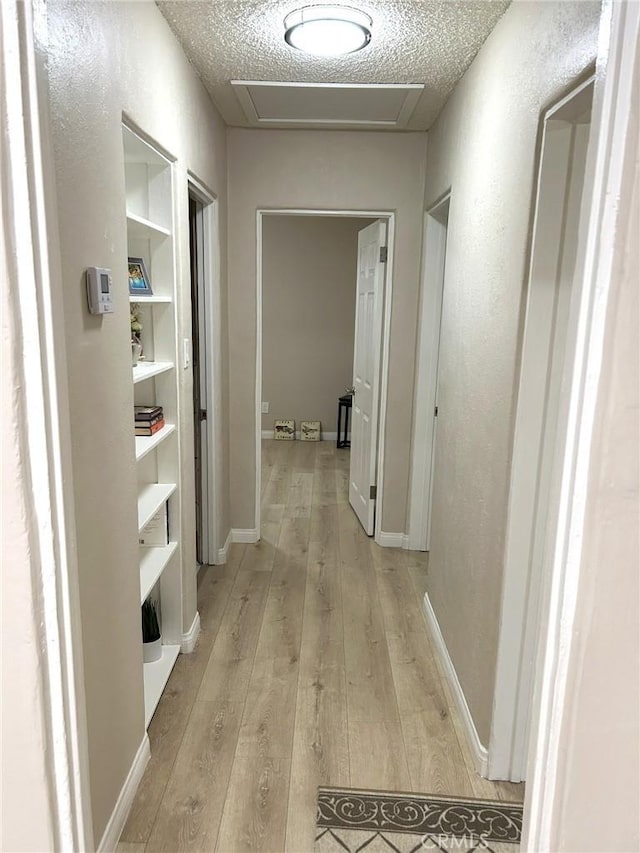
x,y
344,407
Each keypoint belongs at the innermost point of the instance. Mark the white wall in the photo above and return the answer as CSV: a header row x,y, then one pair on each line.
x,y
330,170
105,59
309,266
483,147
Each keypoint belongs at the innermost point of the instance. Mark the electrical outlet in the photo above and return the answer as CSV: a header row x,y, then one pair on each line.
x,y
265,408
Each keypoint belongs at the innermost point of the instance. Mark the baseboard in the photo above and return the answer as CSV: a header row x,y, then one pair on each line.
x,y
245,535
190,639
325,436
223,553
391,540
478,751
119,816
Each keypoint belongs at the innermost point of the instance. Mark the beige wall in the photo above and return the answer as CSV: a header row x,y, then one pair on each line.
x,y
483,147
598,780
106,58
309,269
330,170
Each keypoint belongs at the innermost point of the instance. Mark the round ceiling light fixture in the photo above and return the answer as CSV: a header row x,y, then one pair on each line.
x,y
328,30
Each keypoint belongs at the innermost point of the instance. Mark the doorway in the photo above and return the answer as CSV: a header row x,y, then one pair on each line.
x,y
204,352
541,422
266,413
436,223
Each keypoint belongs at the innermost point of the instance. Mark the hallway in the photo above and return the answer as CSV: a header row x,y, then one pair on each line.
x,y
313,667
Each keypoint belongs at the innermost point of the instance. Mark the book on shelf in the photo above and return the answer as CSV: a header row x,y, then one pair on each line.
x,y
147,413
150,423
149,430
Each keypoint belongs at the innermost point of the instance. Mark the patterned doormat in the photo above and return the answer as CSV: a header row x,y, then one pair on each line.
x,y
379,822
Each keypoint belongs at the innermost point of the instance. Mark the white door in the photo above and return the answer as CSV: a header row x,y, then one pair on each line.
x,y
366,372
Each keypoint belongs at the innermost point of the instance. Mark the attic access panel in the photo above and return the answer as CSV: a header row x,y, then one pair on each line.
x,y
367,105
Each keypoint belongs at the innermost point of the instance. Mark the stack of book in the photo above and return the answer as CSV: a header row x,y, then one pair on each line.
x,y
148,419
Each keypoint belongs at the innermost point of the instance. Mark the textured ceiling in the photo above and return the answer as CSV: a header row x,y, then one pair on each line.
x,y
413,41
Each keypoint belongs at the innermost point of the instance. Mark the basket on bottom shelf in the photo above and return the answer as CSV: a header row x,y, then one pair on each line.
x,y
151,636
148,419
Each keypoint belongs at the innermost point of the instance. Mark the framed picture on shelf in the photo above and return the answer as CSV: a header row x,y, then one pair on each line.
x,y
139,282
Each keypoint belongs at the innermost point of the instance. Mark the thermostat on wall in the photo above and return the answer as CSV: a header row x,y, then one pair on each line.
x,y
99,289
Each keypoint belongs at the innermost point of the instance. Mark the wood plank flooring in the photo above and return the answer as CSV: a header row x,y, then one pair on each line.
x,y
314,667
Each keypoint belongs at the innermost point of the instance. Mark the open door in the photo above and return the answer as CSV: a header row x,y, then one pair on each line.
x,y
366,372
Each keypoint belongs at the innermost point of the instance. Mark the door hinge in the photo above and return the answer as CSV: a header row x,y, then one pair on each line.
x,y
435,412
203,414
383,254
373,492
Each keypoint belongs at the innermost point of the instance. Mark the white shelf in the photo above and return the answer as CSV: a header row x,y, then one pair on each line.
x,y
156,675
151,499
138,226
146,369
146,443
152,564
153,299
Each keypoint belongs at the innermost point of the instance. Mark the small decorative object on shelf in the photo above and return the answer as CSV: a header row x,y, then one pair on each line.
x,y
139,282
310,431
156,533
284,430
151,637
148,419
136,334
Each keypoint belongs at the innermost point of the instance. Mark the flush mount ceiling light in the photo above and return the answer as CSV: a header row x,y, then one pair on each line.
x,y
328,30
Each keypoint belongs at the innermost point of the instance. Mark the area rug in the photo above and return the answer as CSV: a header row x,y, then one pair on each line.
x,y
379,822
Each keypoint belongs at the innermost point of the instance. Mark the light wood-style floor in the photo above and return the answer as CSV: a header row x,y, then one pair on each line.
x,y
313,667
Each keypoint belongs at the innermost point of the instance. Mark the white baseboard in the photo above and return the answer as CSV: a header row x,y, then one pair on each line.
x,y
120,813
190,639
324,436
247,535
223,553
479,752
391,540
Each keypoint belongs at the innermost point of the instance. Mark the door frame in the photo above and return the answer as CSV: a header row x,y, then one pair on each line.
x,y
46,590
611,126
210,308
522,591
389,217
434,249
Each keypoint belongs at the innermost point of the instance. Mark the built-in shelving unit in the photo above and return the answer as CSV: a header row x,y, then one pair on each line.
x,y
156,676
150,235
146,443
148,369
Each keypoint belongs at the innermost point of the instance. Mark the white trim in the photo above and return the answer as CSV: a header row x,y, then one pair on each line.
x,y
618,54
324,436
391,540
424,422
528,501
248,535
223,553
478,751
120,813
389,217
34,296
190,639
213,353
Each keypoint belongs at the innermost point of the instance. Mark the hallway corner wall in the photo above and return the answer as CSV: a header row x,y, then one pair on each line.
x,y
106,59
323,170
483,146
